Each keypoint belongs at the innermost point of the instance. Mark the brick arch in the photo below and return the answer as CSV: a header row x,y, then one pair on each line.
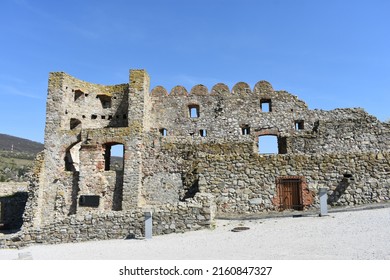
x,y
268,131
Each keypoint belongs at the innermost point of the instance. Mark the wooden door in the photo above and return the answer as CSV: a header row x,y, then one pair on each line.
x,y
290,194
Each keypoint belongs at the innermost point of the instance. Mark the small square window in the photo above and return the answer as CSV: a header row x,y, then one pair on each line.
x,y
299,125
245,130
265,105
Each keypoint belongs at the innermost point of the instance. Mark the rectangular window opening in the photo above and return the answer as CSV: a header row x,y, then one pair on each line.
x,y
193,111
245,130
299,125
94,117
105,101
265,105
114,157
203,132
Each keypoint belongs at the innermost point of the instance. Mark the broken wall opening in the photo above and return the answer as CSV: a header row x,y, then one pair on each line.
x,y
72,157
114,161
11,212
74,123
190,184
105,100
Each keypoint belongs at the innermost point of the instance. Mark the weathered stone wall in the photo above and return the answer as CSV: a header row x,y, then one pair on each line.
x,y
13,198
10,188
341,130
187,145
222,113
244,181
244,184
194,214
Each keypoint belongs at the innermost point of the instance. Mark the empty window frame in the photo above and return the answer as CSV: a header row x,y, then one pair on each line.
x,y
113,156
193,111
77,94
72,157
105,101
203,133
74,123
272,144
89,201
93,117
265,105
245,130
163,131
299,125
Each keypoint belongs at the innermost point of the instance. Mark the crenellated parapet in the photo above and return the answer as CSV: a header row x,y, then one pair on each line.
x,y
240,88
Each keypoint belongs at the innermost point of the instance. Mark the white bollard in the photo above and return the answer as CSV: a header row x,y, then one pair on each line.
x,y
148,224
323,192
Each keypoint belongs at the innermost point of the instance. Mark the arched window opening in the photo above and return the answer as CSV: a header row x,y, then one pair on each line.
x,y
113,157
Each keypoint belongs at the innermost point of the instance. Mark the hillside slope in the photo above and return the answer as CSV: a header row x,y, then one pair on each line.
x,y
16,157
7,142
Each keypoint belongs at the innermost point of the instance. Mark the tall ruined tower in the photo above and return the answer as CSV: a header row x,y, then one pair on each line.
x,y
83,122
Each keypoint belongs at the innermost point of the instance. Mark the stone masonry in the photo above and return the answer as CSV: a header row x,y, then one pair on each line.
x,y
189,156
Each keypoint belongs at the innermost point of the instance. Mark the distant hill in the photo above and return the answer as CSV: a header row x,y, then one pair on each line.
x,y
16,157
19,144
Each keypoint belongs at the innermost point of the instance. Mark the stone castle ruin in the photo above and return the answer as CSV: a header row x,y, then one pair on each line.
x,y
190,156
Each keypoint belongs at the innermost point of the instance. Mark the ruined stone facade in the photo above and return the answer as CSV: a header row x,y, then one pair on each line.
x,y
191,155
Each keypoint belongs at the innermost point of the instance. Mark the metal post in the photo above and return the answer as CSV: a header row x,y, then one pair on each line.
x,y
148,224
323,201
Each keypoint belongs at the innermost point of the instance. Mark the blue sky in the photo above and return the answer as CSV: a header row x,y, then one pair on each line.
x,y
332,54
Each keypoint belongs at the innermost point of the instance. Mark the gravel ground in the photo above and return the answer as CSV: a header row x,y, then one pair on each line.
x,y
362,235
